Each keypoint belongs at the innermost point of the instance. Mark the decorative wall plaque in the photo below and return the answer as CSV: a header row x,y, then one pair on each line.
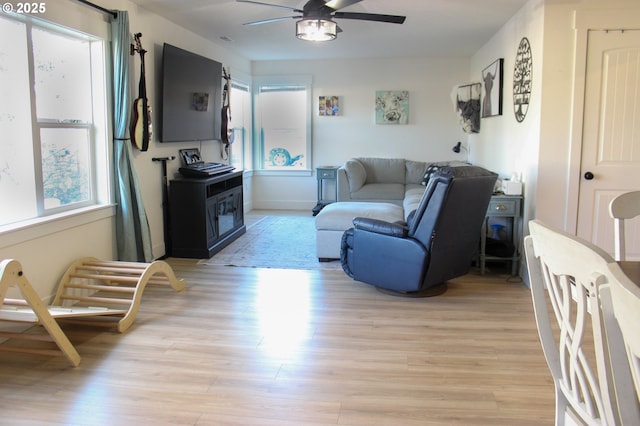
x,y
522,73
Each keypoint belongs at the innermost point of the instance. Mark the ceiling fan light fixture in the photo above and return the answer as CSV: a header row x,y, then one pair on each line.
x,y
316,29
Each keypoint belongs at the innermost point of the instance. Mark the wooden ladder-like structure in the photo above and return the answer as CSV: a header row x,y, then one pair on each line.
x,y
110,288
92,291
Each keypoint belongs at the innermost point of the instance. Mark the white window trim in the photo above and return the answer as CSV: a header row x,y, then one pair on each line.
x,y
37,227
46,225
245,141
300,80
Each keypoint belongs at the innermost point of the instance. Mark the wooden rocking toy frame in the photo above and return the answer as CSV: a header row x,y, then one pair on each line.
x,y
92,291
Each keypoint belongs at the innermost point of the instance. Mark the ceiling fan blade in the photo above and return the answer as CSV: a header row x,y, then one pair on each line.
x,y
270,4
266,21
340,4
392,19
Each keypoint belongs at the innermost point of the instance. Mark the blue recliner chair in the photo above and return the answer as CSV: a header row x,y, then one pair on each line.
x,y
437,243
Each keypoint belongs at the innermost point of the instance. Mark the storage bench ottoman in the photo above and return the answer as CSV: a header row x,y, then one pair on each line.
x,y
336,218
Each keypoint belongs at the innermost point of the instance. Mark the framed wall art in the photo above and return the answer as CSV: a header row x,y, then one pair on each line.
x,y
492,89
468,107
329,105
392,106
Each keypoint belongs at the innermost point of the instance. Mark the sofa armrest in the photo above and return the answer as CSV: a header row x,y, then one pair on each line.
x,y
392,229
342,182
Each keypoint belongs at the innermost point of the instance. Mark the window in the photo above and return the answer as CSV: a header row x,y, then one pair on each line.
x,y
240,120
283,124
53,131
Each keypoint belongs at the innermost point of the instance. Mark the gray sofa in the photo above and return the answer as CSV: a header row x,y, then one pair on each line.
x,y
385,180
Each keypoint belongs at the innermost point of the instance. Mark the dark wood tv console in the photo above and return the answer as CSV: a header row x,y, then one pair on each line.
x,y
205,214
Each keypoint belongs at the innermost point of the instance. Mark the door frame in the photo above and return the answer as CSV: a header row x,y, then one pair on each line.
x,y
583,22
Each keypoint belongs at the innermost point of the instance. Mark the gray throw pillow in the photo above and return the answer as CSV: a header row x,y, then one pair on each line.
x,y
415,171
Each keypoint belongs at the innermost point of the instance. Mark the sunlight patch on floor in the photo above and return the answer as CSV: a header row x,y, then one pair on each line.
x,y
283,307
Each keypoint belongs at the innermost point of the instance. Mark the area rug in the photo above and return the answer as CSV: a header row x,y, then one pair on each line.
x,y
285,242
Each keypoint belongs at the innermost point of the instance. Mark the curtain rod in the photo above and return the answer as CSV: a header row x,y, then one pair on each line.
x,y
100,8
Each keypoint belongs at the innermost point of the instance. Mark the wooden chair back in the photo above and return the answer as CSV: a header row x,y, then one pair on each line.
x,y
624,206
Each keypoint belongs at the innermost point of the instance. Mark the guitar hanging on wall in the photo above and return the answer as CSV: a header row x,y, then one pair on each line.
x,y
226,130
141,115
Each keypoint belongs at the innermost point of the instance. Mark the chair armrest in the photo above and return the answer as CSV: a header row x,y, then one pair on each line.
x,y
392,229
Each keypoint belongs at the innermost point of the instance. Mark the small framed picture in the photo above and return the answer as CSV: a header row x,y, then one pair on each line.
x,y
329,105
492,89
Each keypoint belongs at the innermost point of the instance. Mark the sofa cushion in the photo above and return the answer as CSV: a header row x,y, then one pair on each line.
x,y
412,188
384,170
415,171
357,174
339,216
412,198
379,191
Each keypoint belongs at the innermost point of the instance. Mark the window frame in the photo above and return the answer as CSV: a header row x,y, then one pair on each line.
x,y
48,220
304,81
239,146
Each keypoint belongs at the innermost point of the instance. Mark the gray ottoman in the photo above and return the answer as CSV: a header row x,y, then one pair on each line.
x,y
336,218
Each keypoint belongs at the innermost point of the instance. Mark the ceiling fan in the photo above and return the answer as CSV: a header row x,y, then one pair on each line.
x,y
316,22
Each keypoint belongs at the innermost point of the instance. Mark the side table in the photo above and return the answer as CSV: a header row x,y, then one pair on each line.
x,y
510,207
326,174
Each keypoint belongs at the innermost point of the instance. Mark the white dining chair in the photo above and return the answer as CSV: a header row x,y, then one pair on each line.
x,y
624,206
565,273
624,301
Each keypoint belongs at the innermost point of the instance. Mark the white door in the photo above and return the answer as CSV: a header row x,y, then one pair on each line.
x,y
611,135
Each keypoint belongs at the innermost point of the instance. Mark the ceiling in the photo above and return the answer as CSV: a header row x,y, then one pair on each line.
x,y
454,28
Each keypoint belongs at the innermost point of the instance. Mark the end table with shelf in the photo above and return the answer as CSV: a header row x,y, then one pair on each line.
x,y
326,174
510,208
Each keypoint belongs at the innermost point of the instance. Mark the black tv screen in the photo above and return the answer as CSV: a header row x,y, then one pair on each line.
x,y
191,96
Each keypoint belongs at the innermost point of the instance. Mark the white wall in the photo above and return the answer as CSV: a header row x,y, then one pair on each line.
x,y
432,131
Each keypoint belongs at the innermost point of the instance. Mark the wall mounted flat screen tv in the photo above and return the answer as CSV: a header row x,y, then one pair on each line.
x,y
191,96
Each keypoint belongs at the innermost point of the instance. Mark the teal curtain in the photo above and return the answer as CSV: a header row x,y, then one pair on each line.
x,y
132,227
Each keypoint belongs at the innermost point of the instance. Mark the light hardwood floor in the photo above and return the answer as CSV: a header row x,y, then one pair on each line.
x,y
247,346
